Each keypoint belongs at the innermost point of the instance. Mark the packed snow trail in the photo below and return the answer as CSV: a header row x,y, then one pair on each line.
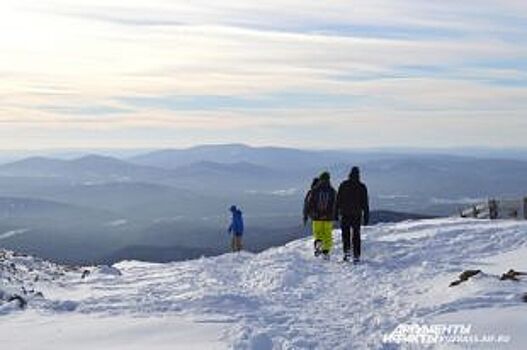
x,y
284,298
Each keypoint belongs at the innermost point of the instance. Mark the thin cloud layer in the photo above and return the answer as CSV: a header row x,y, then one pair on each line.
x,y
361,73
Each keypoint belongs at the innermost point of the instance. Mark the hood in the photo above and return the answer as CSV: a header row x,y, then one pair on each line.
x,y
354,174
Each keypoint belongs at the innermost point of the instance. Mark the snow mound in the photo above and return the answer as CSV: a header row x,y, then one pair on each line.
x,y
108,270
284,298
261,341
27,281
21,279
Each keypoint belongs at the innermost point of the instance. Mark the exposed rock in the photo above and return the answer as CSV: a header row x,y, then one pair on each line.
x,y
464,276
512,275
21,301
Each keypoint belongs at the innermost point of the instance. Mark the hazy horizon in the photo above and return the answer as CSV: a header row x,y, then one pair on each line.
x,y
519,153
402,148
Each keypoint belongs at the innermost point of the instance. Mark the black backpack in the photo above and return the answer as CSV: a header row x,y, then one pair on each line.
x,y
322,203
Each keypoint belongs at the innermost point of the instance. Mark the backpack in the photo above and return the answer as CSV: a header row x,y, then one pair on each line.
x,y
322,203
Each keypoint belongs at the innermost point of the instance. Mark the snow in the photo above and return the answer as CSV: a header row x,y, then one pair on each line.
x,y
463,200
287,192
31,331
283,298
280,192
12,233
118,222
108,270
510,322
484,314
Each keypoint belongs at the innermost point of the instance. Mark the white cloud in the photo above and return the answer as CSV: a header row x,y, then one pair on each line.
x,y
87,55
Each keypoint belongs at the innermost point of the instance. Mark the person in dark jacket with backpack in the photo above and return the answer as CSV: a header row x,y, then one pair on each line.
x,y
321,206
236,229
353,209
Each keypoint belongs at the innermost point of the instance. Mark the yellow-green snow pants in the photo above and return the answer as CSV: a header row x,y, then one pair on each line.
x,y
323,231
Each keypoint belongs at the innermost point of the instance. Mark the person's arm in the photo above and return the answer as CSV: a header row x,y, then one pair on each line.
x,y
338,203
366,207
305,210
309,204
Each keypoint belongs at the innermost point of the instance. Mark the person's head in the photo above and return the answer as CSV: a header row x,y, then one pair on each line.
x,y
315,182
355,173
324,177
233,209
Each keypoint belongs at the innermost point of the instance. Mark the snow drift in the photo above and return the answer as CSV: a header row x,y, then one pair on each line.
x,y
282,298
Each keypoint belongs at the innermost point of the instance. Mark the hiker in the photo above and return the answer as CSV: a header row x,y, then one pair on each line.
x,y
236,229
321,206
352,209
306,214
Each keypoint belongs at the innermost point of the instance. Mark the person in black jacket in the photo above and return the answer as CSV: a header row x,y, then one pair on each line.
x,y
352,208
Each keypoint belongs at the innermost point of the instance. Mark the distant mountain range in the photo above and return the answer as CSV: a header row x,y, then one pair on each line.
x,y
13,208
91,167
274,157
419,182
179,198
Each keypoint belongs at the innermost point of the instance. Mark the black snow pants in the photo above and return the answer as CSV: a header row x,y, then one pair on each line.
x,y
348,225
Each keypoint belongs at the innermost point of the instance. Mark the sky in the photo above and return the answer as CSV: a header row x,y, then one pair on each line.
x,y
302,73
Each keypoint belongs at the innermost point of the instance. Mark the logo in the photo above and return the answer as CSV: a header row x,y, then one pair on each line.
x,y
441,334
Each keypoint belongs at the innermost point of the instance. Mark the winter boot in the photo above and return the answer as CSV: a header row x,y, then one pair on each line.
x,y
325,254
318,247
347,256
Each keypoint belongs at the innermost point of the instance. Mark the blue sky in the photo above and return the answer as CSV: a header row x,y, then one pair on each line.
x,y
303,73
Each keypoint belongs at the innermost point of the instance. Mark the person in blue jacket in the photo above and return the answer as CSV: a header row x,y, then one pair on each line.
x,y
236,229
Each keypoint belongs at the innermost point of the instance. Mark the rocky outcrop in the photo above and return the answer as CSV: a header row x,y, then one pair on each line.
x,y
512,275
465,276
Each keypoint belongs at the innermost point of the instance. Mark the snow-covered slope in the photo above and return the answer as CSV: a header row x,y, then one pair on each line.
x,y
282,298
